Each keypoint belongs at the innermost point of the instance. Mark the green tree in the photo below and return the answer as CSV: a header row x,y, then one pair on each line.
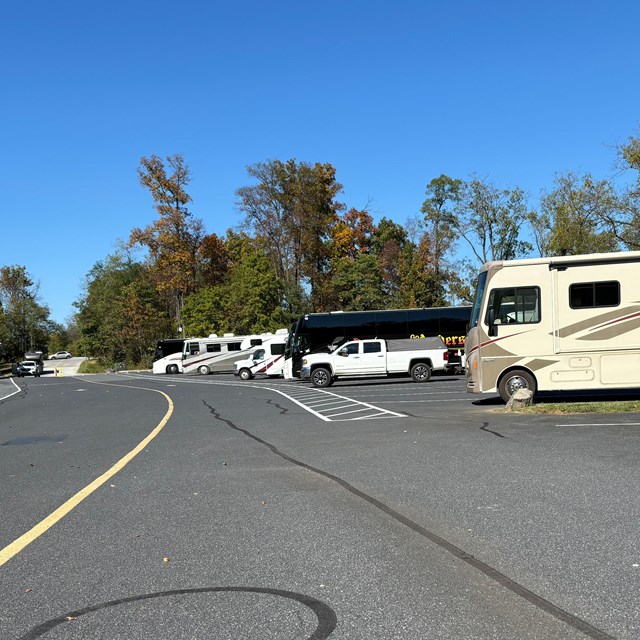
x,y
25,323
293,207
579,211
490,220
181,256
390,245
357,284
250,299
625,223
120,315
443,194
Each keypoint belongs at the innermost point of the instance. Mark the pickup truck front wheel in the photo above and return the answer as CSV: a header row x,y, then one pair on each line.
x,y
421,372
321,377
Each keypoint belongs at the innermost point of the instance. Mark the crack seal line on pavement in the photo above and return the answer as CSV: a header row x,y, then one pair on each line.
x,y
494,574
27,538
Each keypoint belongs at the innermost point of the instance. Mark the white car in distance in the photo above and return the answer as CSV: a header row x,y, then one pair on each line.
x,y
60,355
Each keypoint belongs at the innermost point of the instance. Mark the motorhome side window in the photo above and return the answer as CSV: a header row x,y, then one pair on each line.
x,y
213,348
587,295
519,305
194,348
277,349
234,346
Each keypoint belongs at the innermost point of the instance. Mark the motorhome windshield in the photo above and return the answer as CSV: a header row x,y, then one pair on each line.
x,y
477,304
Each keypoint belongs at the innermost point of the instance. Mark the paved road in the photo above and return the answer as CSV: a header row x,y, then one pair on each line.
x,y
374,509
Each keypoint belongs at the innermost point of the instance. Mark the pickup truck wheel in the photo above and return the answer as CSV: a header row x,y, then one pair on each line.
x,y
172,368
321,377
245,374
203,370
420,372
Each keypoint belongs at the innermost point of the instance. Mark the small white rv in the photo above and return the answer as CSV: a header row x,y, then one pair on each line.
x,y
268,359
556,324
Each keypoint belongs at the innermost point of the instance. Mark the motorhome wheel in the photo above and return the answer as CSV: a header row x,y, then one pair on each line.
x,y
514,380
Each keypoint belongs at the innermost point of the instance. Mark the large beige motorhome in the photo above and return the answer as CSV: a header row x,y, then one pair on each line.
x,y
556,324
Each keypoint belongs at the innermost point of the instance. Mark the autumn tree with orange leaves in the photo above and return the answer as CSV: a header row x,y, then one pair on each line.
x,y
181,256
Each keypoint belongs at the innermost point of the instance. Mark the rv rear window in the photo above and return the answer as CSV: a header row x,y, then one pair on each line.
x,y
234,346
587,295
213,348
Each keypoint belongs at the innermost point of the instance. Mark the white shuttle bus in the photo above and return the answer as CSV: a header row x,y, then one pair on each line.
x,y
556,324
268,359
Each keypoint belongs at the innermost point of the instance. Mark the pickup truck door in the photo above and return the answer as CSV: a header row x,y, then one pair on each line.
x,y
347,359
373,358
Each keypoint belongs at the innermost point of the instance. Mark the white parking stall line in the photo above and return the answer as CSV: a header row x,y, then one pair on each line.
x,y
600,424
343,413
307,399
463,397
323,403
342,406
18,389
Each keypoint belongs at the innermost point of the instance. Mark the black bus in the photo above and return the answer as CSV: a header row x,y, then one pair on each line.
x,y
315,331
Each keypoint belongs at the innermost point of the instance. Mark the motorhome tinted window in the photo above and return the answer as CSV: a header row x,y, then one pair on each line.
x,y
213,348
519,305
277,349
587,295
256,342
234,346
194,348
372,347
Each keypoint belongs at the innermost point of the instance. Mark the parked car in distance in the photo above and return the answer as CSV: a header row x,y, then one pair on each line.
x,y
28,367
60,355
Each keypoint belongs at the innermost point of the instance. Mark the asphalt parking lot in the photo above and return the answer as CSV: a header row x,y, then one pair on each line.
x,y
372,509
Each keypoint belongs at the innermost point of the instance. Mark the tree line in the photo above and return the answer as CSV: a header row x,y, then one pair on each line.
x,y
300,249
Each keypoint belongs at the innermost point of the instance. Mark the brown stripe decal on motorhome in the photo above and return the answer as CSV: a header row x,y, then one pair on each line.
x,y
614,329
603,319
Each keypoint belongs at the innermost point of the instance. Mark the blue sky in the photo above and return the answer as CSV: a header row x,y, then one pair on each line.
x,y
392,94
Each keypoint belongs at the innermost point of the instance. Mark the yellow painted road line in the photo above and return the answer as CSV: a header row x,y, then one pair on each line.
x,y
18,545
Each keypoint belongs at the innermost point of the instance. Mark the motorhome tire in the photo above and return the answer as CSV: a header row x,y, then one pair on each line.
x,y
421,372
245,374
172,368
321,377
203,370
514,380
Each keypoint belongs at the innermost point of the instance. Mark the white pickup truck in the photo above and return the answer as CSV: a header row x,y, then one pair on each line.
x,y
367,358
